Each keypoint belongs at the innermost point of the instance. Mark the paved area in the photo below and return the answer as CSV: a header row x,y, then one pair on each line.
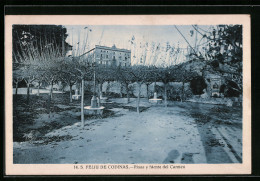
x,y
180,133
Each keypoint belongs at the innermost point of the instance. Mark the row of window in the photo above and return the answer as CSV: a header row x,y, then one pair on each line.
x,y
101,55
109,63
113,52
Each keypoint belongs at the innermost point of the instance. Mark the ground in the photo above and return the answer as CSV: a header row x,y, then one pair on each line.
x,y
183,132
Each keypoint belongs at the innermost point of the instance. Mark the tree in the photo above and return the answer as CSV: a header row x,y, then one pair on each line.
x,y
224,52
183,75
139,73
36,51
17,77
83,72
39,37
29,76
28,69
51,66
104,73
197,85
151,77
166,75
68,75
124,75
40,78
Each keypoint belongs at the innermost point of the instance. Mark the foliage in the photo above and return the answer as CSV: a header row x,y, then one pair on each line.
x,y
30,39
223,52
197,85
166,75
180,74
231,90
104,73
225,44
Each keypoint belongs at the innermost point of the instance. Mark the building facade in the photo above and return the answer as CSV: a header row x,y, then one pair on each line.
x,y
108,56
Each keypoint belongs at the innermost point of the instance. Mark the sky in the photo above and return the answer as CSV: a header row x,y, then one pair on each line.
x,y
147,43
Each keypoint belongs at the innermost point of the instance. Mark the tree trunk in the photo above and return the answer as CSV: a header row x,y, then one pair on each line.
x,y
49,104
82,104
127,92
99,91
28,92
70,93
101,86
28,89
107,88
51,89
120,90
147,91
99,95
38,91
165,94
182,96
138,98
16,88
79,87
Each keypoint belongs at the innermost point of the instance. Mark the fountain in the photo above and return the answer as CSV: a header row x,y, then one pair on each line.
x,y
155,100
76,96
94,108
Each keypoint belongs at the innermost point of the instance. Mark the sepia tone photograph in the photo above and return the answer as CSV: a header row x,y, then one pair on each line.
x,y
167,94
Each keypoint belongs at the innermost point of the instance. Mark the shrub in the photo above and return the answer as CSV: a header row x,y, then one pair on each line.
x,y
232,89
197,85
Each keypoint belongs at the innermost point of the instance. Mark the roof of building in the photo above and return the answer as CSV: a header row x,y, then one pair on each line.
x,y
107,48
113,48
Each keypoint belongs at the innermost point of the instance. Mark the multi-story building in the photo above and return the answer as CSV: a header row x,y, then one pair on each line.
x,y
108,56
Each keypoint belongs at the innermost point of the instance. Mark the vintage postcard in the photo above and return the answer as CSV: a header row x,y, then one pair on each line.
x,y
127,95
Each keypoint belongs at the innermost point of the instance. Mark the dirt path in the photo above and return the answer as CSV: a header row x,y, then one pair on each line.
x,y
177,134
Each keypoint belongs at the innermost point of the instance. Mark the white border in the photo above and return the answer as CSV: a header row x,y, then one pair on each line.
x,y
67,169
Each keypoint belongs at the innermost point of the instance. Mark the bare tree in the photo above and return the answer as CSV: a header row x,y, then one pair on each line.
x,y
125,76
17,77
83,72
181,74
139,74
166,76
103,74
68,75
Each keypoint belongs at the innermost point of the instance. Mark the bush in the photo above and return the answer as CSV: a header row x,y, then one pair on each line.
x,y
231,89
197,85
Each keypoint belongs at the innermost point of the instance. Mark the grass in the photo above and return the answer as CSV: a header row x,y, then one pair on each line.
x,y
26,113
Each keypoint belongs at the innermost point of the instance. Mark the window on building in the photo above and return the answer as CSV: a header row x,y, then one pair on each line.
x,y
107,56
114,57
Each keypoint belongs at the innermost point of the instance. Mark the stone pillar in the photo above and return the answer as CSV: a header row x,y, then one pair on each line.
x,y
76,92
155,95
94,102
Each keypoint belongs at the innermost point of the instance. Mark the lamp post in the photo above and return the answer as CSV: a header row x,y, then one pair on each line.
x,y
94,101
